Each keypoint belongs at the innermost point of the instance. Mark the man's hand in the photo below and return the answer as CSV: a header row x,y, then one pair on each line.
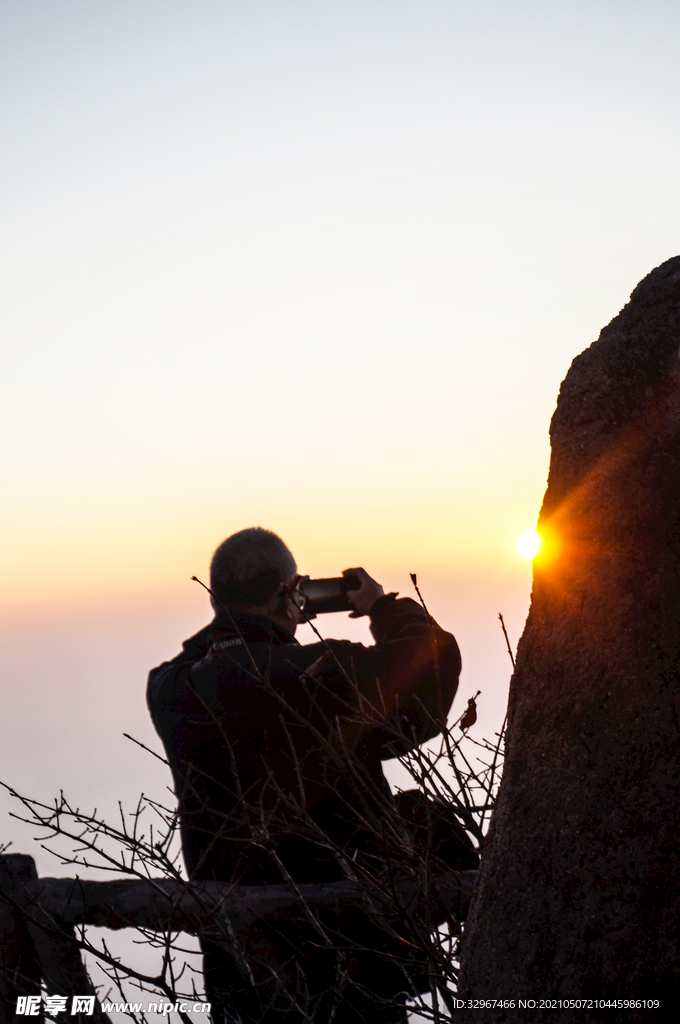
x,y
365,597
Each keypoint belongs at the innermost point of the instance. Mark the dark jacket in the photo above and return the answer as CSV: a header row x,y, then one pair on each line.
x,y
256,747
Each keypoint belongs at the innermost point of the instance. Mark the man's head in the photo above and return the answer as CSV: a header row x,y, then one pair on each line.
x,y
248,571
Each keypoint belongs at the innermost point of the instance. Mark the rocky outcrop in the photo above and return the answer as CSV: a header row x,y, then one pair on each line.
x,y
579,888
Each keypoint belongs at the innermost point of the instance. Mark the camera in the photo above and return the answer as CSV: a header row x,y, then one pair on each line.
x,y
328,595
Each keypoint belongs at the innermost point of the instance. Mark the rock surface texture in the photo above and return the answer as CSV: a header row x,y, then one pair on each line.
x,y
579,889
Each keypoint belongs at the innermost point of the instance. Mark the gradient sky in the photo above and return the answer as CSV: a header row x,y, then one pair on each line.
x,y
315,266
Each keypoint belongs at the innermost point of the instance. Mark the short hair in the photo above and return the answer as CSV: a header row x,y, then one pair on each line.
x,y
249,567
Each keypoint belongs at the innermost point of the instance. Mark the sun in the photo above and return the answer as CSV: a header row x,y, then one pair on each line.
x,y
529,543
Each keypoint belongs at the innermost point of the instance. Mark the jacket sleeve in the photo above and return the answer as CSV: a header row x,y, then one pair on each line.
x,y
407,680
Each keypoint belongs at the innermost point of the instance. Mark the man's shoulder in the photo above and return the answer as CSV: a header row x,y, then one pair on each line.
x,y
164,674
220,657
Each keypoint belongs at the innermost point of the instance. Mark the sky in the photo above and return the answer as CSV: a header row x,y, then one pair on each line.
x,y
315,266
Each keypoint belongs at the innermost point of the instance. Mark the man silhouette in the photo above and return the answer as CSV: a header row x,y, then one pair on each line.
x,y
260,733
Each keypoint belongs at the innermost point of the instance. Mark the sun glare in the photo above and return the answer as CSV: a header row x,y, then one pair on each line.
x,y
529,543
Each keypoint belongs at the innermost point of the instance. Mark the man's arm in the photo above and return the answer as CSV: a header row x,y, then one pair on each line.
x,y
409,677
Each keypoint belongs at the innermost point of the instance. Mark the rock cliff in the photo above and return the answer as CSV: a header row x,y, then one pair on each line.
x,y
579,889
